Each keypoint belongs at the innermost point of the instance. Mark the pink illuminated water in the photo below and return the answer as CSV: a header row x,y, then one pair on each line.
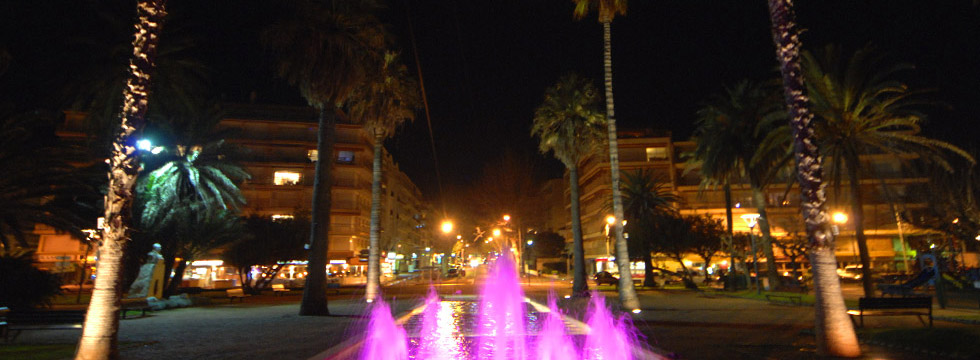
x,y
502,314
501,325
609,338
553,341
385,340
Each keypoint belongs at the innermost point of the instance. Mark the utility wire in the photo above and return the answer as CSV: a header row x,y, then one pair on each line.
x,y
425,102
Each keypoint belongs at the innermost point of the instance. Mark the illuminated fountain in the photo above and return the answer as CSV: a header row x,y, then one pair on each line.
x,y
502,325
385,340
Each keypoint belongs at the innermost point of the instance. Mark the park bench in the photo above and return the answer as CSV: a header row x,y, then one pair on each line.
x,y
236,294
785,298
140,304
18,321
279,289
881,306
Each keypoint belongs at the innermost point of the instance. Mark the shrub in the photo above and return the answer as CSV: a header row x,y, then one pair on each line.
x,y
23,286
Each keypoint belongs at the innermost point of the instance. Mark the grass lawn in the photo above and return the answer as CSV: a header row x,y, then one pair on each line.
x,y
69,298
806,299
47,351
36,352
959,340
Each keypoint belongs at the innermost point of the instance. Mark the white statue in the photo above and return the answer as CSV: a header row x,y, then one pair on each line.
x,y
149,282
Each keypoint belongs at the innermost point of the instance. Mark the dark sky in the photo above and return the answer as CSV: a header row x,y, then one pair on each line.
x,y
487,63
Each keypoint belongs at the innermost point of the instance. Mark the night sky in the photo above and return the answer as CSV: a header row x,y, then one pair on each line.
x,y
487,63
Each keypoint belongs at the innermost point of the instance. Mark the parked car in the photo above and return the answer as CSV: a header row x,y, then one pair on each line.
x,y
455,272
605,277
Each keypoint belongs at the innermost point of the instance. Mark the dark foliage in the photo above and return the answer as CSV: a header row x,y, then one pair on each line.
x,y
23,286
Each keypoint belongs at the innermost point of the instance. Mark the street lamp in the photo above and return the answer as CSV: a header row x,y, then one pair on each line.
x,y
447,226
751,220
839,219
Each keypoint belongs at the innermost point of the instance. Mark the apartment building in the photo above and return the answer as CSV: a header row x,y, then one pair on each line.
x,y
280,154
658,153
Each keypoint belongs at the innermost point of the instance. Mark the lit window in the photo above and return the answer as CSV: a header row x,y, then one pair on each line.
x,y
345,156
286,178
656,153
278,217
312,154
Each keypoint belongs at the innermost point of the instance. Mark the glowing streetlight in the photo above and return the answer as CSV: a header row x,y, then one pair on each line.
x,y
496,232
610,220
839,218
459,237
506,217
447,226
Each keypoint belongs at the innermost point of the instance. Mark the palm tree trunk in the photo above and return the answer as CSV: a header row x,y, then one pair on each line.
x,y
627,294
834,331
857,215
760,204
374,266
648,280
579,286
101,329
315,293
732,274
174,285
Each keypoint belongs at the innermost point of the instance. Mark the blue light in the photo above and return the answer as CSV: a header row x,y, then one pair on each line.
x,y
144,145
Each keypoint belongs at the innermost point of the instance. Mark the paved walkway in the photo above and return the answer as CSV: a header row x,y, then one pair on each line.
x,y
688,324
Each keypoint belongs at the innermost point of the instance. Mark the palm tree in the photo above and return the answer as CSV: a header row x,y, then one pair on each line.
x,y
730,144
37,186
100,332
385,102
200,230
861,109
644,199
569,124
326,50
608,9
834,331
182,184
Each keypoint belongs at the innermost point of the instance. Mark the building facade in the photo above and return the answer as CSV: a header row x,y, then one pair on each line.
x,y
277,146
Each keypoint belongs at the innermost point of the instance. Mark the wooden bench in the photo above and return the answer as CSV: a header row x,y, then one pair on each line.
x,y
18,321
139,304
881,306
279,289
236,294
792,299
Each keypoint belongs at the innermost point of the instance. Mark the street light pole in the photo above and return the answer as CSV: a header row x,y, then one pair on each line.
x,y
751,220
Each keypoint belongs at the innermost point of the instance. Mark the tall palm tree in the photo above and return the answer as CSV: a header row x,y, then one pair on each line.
x,y
569,123
326,50
100,332
608,9
834,331
861,109
644,199
386,101
730,145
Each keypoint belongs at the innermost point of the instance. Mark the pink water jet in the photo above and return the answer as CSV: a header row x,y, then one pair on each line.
x,y
502,314
553,341
385,339
609,338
